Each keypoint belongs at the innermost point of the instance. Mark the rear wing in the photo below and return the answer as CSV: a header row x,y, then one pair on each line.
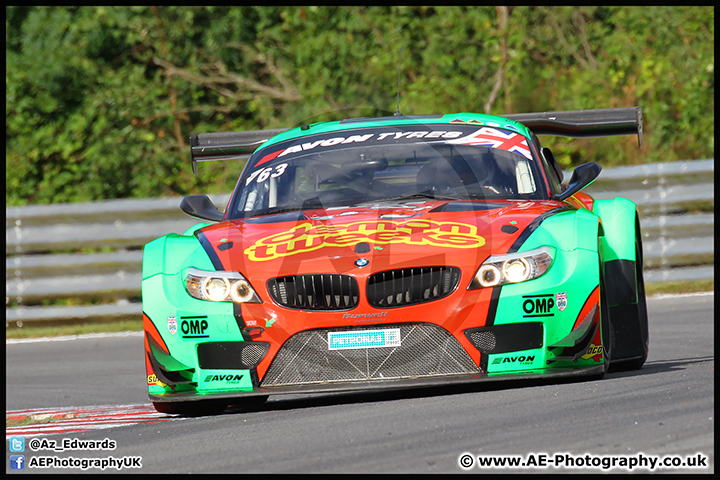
x,y
602,122
206,147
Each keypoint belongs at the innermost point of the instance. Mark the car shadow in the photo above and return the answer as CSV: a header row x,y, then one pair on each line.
x,y
661,366
366,396
296,401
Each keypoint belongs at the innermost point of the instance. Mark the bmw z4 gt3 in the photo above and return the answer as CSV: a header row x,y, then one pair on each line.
x,y
394,252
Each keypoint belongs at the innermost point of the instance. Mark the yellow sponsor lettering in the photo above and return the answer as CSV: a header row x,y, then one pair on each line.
x,y
153,380
592,351
306,238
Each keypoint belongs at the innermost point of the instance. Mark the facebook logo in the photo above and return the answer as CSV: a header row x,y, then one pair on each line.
x,y
17,444
17,462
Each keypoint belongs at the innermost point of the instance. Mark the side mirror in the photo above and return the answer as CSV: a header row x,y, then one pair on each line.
x,y
582,176
201,206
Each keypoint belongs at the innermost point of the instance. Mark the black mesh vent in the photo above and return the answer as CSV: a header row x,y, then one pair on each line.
x,y
484,341
315,292
425,350
511,337
253,353
409,286
231,355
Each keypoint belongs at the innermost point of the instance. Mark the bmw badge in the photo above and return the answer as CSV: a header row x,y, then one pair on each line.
x,y
362,262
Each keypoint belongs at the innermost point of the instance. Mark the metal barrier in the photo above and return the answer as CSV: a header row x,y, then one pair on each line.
x,y
86,255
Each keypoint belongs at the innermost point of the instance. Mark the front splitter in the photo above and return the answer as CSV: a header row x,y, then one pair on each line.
x,y
391,384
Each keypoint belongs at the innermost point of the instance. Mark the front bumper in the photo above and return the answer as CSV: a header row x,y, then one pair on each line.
x,y
512,332
395,384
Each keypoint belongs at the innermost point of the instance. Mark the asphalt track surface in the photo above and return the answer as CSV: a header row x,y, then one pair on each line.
x,y
665,409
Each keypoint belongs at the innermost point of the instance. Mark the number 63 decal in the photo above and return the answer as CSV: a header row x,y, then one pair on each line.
x,y
265,173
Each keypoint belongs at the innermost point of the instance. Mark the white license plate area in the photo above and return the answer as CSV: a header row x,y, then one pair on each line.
x,y
387,337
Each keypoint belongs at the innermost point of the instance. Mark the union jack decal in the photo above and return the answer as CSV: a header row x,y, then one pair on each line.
x,y
494,138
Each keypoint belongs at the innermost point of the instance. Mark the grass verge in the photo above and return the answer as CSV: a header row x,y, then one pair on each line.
x,y
679,287
29,331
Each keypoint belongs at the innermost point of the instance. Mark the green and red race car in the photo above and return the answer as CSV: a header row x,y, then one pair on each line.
x,y
393,252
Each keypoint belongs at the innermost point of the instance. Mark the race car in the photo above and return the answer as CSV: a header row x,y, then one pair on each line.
x,y
395,252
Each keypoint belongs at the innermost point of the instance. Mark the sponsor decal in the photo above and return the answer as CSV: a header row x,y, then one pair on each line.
x,y
364,339
522,360
561,301
330,142
172,325
494,138
538,305
490,135
269,322
307,237
194,328
372,316
153,380
229,378
593,351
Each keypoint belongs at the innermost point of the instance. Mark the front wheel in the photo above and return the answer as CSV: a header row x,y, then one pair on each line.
x,y
606,332
639,316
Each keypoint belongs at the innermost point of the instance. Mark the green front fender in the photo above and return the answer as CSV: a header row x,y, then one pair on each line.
x,y
171,253
618,220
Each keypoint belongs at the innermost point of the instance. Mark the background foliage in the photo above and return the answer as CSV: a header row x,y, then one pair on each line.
x,y
100,101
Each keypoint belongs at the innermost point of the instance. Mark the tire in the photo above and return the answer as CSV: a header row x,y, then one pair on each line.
x,y
639,314
605,324
195,408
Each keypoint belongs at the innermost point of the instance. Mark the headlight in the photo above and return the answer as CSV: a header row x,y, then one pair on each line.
x,y
513,267
220,286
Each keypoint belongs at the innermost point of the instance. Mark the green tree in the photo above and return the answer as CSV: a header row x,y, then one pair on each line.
x,y
101,101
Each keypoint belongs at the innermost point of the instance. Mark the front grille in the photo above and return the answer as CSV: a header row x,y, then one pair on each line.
x,y
410,286
315,292
425,350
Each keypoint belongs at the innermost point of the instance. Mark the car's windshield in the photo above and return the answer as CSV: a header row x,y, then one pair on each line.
x,y
372,165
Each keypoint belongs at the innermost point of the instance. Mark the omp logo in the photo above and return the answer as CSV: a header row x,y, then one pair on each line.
x,y
194,328
306,237
226,378
522,359
538,305
592,351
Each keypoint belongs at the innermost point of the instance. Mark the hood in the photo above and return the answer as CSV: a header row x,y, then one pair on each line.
x,y
381,236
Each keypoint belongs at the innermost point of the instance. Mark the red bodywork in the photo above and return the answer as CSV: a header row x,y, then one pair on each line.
x,y
416,234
